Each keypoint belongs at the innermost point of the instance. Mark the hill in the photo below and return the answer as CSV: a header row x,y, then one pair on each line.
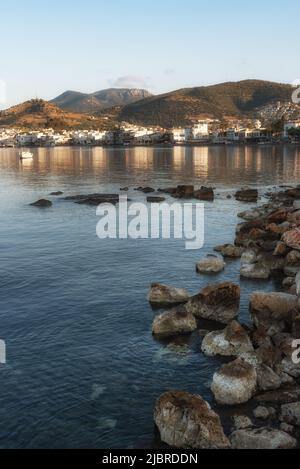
x,y
37,114
87,103
240,99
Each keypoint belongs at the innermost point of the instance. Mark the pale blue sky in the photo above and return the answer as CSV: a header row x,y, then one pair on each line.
x,y
51,46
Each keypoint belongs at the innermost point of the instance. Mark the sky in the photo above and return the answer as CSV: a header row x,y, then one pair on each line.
x,y
48,47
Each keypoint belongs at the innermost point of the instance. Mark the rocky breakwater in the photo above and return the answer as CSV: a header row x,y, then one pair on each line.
x,y
263,374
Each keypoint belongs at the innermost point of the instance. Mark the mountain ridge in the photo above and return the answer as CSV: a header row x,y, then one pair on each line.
x,y
181,107
76,101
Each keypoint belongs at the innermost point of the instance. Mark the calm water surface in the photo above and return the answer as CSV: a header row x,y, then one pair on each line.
x,y
83,370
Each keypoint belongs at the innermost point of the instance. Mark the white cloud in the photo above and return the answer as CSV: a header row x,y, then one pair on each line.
x,y
130,81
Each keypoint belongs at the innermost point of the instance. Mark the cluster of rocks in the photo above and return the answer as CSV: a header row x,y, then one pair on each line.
x,y
189,192
263,371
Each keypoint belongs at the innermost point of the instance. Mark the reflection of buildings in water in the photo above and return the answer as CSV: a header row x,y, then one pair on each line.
x,y
180,157
139,159
201,161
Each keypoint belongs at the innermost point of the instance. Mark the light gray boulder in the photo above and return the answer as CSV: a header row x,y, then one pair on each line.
x,y
211,264
235,383
233,341
262,438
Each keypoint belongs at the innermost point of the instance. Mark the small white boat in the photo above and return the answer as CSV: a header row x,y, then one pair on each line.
x,y
26,155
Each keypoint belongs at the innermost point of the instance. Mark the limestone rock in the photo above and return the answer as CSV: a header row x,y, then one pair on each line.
x,y
267,379
211,265
174,322
247,195
164,296
218,303
292,238
235,383
271,311
228,250
262,438
187,421
233,341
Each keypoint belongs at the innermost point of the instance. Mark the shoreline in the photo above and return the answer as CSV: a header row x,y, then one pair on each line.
x,y
161,145
257,395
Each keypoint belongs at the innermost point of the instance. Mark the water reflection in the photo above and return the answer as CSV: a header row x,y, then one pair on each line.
x,y
208,165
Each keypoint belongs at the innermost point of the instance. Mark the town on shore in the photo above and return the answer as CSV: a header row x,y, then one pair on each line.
x,y
202,132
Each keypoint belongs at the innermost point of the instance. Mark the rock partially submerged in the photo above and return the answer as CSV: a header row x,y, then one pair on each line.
x,y
205,194
94,199
174,322
42,203
262,438
233,341
155,200
211,264
235,383
56,193
272,311
255,271
247,195
218,303
229,250
163,296
186,421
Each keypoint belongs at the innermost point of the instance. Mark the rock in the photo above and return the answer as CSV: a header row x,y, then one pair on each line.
x,y
293,193
235,383
205,193
282,396
294,217
290,368
284,343
281,249
42,203
288,282
267,379
218,303
262,438
233,341
249,215
268,354
175,322
255,271
187,421
241,422
228,250
293,258
94,199
56,193
155,200
292,238
124,189
251,358
211,265
278,216
184,192
284,427
290,413
261,413
249,257
161,296
271,311
247,195
168,190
